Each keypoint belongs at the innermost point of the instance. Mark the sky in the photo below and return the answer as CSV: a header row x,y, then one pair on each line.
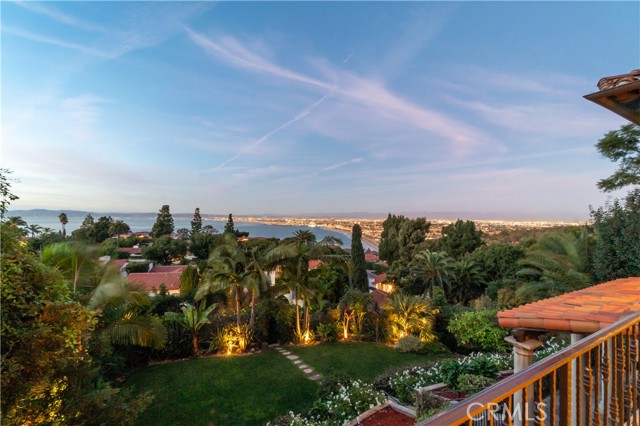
x,y
474,108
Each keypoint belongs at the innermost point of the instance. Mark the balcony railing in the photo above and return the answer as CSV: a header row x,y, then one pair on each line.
x,y
593,382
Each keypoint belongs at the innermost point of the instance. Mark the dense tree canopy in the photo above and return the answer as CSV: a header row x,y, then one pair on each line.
x,y
401,237
164,223
621,146
460,238
617,232
196,222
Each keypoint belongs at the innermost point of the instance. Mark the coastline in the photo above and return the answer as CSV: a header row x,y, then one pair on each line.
x,y
370,241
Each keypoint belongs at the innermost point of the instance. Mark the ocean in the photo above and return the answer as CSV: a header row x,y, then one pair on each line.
x,y
142,224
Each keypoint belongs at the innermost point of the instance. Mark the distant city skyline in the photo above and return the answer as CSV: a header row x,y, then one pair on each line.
x,y
295,108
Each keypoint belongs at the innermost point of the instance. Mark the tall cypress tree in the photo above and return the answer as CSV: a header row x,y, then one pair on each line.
x,y
164,223
228,227
196,223
359,279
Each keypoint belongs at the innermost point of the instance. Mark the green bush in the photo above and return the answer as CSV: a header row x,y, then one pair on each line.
x,y
451,370
409,343
327,332
428,404
473,382
478,331
133,267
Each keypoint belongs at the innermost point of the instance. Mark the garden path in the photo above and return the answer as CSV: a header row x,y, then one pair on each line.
x,y
295,359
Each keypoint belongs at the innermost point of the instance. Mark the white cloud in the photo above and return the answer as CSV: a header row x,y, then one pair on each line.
x,y
58,16
349,87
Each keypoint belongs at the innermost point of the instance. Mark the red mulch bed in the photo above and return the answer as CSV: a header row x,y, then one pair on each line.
x,y
388,417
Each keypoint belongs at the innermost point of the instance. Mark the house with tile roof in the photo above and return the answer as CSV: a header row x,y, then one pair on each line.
x,y
151,281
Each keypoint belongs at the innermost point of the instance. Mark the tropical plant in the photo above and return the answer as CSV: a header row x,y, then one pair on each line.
x,y
34,230
76,260
227,266
409,314
557,263
467,281
435,267
354,305
293,256
125,313
63,221
118,227
192,318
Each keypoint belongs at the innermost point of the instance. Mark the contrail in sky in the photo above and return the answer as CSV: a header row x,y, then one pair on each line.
x,y
302,114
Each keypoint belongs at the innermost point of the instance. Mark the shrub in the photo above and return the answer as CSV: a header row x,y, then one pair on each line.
x,y
409,343
428,404
133,267
274,321
327,332
473,382
332,382
477,330
346,403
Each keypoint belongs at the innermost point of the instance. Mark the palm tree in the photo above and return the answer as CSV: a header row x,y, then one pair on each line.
x,y
34,229
72,258
193,319
125,313
294,254
467,281
435,267
409,314
255,279
227,268
118,227
557,263
18,223
63,220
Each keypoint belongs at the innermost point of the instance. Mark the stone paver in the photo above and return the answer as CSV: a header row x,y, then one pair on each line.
x,y
295,359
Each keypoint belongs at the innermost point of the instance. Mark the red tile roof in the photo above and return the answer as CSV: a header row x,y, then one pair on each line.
x,y
582,311
380,278
379,296
370,256
132,250
168,275
314,263
118,263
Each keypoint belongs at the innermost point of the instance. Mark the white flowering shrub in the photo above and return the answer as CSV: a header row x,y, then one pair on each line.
x,y
550,347
337,408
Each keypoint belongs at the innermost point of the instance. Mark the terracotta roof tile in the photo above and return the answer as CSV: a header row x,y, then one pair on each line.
x,y
582,311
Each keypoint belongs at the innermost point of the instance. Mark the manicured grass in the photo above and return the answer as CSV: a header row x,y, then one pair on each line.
x,y
359,360
245,390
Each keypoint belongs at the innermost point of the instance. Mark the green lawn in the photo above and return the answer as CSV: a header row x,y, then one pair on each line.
x,y
245,390
358,359
253,389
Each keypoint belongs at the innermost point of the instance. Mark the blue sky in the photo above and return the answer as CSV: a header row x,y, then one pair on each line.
x,y
297,107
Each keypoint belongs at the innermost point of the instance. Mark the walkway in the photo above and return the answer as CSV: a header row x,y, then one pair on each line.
x,y
295,359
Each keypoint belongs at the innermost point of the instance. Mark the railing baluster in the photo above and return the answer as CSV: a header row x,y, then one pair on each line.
x,y
554,397
593,382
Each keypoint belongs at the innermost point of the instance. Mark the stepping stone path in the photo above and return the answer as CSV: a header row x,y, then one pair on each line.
x,y
307,370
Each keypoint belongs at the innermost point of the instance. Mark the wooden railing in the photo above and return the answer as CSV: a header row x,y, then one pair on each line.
x,y
593,382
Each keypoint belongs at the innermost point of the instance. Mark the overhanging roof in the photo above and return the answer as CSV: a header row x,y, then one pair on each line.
x,y
620,94
583,311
